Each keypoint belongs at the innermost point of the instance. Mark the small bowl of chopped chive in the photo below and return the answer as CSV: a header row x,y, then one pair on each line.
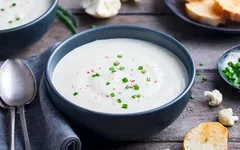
x,y
229,66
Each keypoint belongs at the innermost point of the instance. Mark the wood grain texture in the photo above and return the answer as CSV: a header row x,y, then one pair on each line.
x,y
153,146
204,46
145,7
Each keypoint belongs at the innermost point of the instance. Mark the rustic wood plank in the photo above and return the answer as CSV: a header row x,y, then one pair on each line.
x,y
145,7
151,146
202,45
198,111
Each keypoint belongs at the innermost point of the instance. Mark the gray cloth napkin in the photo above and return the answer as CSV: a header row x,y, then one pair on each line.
x,y
47,129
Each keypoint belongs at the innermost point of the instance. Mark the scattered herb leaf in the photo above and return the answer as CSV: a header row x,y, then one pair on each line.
x,y
140,68
119,56
204,79
119,100
125,106
112,94
136,87
125,80
75,93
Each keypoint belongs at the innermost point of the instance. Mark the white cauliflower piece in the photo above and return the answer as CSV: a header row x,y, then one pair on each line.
x,y
215,97
226,117
102,8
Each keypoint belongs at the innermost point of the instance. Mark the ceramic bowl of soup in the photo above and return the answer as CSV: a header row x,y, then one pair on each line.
x,y
122,82
23,22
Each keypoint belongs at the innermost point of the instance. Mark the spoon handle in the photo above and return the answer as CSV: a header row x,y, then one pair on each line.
x,y
13,113
24,127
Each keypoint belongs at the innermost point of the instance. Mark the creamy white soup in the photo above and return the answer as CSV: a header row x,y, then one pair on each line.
x,y
15,13
120,76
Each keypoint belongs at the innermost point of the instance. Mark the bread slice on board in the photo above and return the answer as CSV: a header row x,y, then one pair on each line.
x,y
207,136
202,11
228,8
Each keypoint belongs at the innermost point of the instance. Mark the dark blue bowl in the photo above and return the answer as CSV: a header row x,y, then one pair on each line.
x,y
122,127
16,39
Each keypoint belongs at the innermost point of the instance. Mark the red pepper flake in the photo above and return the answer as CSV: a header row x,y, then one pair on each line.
x,y
155,81
106,56
131,87
92,70
107,95
88,72
87,85
132,80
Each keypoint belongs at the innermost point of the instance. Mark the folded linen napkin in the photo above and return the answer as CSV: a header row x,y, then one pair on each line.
x,y
47,129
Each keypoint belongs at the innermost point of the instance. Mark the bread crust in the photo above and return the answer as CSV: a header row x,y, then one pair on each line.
x,y
210,18
230,9
210,135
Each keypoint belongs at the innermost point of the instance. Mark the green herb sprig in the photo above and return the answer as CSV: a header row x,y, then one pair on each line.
x,y
68,18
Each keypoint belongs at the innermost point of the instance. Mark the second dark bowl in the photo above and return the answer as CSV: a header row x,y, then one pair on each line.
x,y
16,39
122,127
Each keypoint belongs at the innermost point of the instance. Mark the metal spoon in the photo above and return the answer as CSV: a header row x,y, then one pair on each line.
x,y
17,88
12,110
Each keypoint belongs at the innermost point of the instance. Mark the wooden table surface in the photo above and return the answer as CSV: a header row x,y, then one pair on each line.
x,y
202,45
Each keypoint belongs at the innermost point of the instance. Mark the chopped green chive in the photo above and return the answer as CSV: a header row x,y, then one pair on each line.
x,y
119,100
121,68
134,96
127,87
138,96
125,80
2,9
14,4
112,94
96,75
148,79
201,63
10,22
238,59
92,26
192,97
116,63
143,71
112,69
107,83
75,93
17,19
204,79
136,87
198,73
140,68
119,56
125,106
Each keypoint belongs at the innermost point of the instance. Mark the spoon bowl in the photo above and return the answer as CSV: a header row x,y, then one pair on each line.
x,y
231,54
17,83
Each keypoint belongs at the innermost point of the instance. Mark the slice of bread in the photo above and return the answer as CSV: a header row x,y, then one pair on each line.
x,y
228,8
202,11
207,136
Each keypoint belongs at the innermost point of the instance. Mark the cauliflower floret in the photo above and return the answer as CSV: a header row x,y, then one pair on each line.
x,y
215,97
226,117
102,8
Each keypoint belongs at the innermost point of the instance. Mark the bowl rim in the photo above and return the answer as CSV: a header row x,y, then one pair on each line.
x,y
182,94
50,9
220,71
